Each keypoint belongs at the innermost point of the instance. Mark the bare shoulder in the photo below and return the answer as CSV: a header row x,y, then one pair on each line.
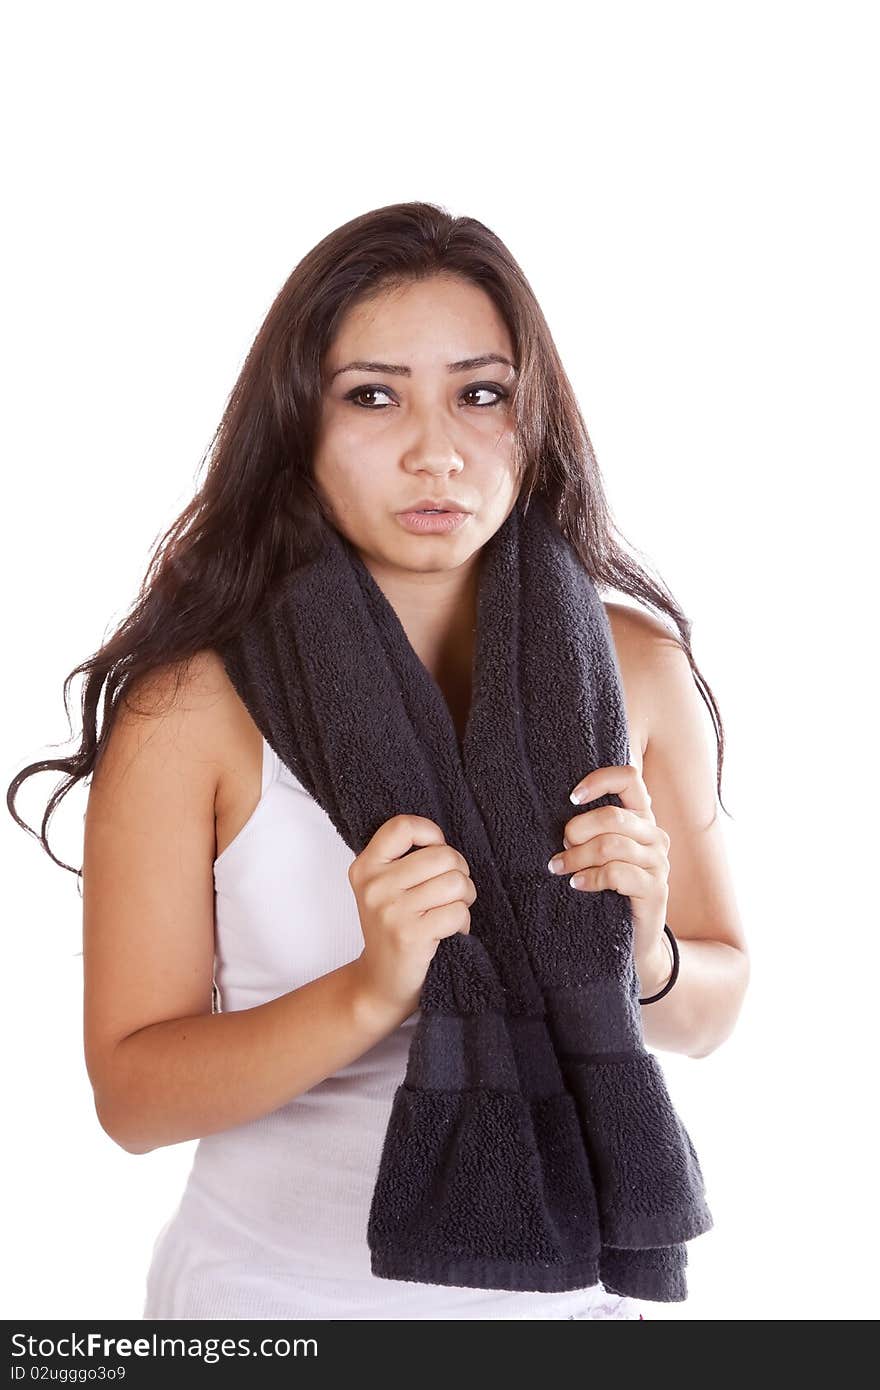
x,y
159,715
655,667
148,927
640,638
643,644
195,685
679,772
188,709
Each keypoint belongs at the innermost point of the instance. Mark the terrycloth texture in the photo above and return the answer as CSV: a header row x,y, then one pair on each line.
x,y
533,1143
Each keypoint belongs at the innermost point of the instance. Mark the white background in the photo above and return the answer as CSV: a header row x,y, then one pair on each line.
x,y
690,190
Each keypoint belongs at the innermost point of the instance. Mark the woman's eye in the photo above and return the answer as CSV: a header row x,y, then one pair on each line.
x,y
360,391
364,391
497,391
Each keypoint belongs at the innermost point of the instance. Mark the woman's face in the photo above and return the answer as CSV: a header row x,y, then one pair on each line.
x,y
412,421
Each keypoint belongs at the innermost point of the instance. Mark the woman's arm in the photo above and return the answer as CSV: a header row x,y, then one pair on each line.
x,y
701,1009
163,1068
183,1078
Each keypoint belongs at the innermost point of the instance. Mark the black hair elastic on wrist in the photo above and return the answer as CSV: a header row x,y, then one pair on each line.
x,y
674,976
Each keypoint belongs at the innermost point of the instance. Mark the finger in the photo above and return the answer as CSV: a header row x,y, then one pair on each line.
x,y
399,834
448,887
625,781
394,840
423,865
617,875
604,849
606,820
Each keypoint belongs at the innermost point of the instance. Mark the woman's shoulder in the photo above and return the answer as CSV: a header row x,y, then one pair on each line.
x,y
191,706
176,688
643,644
639,636
238,748
190,715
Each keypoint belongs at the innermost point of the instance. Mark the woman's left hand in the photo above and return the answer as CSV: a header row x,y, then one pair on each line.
x,y
623,847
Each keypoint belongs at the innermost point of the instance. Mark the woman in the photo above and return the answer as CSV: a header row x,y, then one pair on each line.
x,y
245,982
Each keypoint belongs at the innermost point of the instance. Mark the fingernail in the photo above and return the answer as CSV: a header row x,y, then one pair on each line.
x,y
577,797
555,866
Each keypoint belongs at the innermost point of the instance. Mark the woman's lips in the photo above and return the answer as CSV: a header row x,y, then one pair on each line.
x,y
432,523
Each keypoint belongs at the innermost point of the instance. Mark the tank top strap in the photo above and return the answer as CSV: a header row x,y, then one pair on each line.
x,y
271,766
274,770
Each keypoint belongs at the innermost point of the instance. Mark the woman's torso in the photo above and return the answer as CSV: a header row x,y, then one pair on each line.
x,y
272,1221
240,785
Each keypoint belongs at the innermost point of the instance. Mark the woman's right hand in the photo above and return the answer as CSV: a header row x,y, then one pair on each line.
x,y
407,903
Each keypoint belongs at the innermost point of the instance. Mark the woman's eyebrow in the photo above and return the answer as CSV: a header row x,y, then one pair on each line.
x,y
467,364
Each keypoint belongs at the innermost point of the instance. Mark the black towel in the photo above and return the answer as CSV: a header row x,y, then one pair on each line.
x,y
533,1143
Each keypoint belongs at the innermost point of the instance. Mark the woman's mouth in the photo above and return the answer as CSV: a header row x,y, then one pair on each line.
x,y
432,521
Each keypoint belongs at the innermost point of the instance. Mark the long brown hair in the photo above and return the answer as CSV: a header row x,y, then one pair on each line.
x,y
257,513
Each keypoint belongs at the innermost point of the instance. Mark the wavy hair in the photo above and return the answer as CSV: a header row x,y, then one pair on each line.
x,y
257,514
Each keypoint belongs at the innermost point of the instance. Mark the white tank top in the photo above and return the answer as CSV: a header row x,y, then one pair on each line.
x,y
273,1217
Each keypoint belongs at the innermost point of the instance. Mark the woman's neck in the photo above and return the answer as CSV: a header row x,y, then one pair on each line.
x,y
438,613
